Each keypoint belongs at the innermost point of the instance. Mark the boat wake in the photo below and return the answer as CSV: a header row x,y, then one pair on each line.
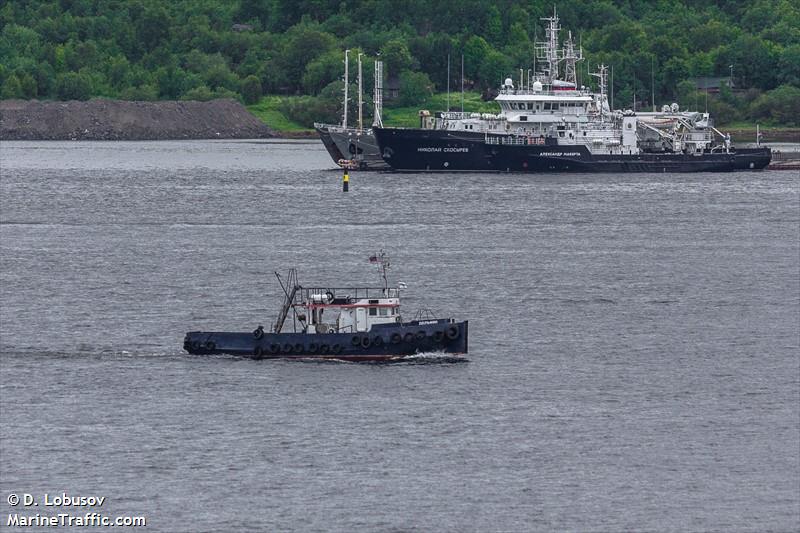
x,y
433,358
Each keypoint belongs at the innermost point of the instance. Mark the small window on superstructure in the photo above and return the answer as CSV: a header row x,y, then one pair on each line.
x,y
383,311
373,311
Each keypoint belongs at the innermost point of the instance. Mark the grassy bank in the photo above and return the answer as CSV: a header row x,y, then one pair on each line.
x,y
271,111
746,132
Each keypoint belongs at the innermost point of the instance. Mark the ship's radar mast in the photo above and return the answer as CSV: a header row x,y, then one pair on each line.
x,y
550,46
381,260
570,58
602,81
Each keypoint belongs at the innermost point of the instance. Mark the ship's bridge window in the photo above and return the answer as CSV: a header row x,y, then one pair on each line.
x,y
384,311
373,311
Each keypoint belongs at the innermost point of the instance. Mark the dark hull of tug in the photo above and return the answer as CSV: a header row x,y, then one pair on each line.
x,y
433,150
387,342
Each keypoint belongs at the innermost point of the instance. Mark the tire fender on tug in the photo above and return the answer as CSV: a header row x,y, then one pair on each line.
x,y
452,333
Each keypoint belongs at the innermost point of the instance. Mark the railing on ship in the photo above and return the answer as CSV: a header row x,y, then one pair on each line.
x,y
354,293
517,140
455,115
531,92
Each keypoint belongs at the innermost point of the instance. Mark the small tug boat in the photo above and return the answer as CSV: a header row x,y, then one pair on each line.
x,y
349,324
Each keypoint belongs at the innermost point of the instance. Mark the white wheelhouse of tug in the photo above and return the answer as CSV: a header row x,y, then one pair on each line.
x,y
329,312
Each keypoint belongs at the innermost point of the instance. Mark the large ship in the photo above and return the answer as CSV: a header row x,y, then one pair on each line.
x,y
350,147
548,123
349,323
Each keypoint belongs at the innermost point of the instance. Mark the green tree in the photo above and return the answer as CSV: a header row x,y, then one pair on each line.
x,y
781,106
11,88
141,93
493,69
396,57
251,89
415,87
27,85
323,70
303,43
475,51
73,86
789,65
152,27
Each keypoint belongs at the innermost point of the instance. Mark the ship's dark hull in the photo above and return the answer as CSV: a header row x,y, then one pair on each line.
x,y
385,342
351,145
752,158
433,150
328,142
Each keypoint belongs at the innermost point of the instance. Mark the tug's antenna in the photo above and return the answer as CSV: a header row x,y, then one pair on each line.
x,y
381,260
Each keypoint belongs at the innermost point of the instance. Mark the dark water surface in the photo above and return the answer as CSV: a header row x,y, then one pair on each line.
x,y
633,344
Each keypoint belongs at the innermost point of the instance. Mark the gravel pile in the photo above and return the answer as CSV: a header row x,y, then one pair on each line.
x,y
103,120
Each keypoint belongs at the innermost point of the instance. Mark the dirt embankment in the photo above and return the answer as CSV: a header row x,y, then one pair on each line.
x,y
103,120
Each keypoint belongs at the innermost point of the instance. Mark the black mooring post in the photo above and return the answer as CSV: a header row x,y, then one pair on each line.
x,y
345,181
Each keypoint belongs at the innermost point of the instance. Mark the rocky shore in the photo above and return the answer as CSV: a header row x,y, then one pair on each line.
x,y
106,120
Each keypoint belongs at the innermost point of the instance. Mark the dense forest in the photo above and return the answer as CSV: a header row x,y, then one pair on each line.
x,y
203,49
